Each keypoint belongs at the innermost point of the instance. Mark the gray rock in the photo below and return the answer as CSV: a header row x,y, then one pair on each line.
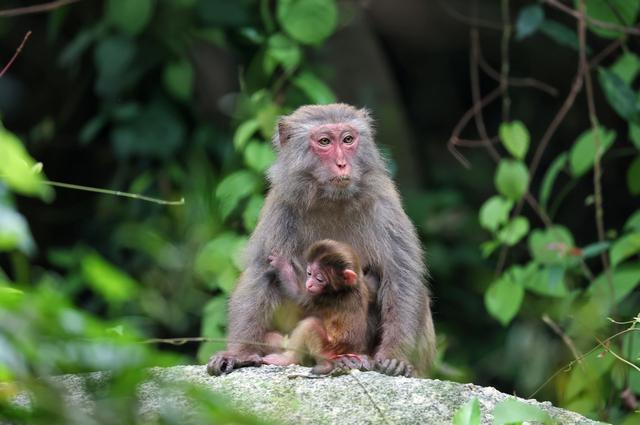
x,y
285,395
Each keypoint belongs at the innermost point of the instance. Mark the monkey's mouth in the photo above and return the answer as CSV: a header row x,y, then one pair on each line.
x,y
341,181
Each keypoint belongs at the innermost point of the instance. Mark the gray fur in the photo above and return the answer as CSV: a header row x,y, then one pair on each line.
x,y
301,209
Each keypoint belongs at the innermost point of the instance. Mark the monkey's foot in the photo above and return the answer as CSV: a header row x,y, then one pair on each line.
x,y
278,359
394,367
225,362
344,363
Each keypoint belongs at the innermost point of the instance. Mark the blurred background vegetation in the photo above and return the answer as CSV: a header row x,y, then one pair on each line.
x,y
177,100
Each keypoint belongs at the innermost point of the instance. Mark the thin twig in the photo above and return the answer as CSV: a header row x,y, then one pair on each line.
x,y
466,117
481,23
115,193
517,82
613,353
15,55
565,338
595,126
38,8
595,22
504,61
569,365
475,90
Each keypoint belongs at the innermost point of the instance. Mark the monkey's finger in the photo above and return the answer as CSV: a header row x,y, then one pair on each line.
x,y
410,371
400,369
219,365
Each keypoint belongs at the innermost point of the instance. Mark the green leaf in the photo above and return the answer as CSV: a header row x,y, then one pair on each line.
x,y
284,51
251,212
107,280
308,21
225,13
625,279
550,177
91,129
487,248
236,187
515,138
551,246
17,168
529,20
14,232
113,57
547,281
157,132
130,17
469,414
512,179
214,320
611,11
217,262
624,248
316,90
495,212
583,152
515,230
626,67
633,177
244,132
619,94
586,376
511,411
633,222
595,249
634,134
503,299
258,156
561,34
178,79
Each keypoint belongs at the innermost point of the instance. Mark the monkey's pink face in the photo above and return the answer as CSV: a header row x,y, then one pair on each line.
x,y
336,146
316,280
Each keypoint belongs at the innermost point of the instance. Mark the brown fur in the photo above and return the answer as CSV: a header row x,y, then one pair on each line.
x,y
341,309
301,208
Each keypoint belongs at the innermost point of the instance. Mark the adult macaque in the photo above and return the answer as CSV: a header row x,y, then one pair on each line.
x,y
336,301
329,182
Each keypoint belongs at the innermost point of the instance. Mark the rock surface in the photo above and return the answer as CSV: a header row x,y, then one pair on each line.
x,y
280,394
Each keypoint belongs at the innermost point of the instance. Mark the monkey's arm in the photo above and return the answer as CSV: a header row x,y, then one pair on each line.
x,y
290,276
407,333
255,298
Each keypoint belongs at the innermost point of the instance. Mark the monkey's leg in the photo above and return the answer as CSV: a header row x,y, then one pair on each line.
x,y
250,311
309,338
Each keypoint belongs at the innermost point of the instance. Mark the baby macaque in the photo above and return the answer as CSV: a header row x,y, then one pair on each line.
x,y
335,298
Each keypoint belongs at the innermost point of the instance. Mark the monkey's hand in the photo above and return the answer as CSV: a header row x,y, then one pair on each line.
x,y
393,367
225,362
344,363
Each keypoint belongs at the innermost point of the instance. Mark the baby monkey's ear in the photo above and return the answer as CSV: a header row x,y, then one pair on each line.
x,y
350,277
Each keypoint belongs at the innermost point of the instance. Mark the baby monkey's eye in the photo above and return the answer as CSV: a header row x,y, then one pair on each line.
x,y
324,141
319,278
348,139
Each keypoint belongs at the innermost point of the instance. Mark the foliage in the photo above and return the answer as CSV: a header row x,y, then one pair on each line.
x,y
575,286
185,259
133,117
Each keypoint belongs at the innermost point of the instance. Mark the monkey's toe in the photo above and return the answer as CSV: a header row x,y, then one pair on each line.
x,y
221,364
395,367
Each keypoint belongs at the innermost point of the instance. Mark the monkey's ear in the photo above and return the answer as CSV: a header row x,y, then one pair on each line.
x,y
284,132
350,277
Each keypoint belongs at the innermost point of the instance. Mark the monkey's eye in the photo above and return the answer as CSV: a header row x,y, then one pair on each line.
x,y
324,141
348,139
308,273
319,278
